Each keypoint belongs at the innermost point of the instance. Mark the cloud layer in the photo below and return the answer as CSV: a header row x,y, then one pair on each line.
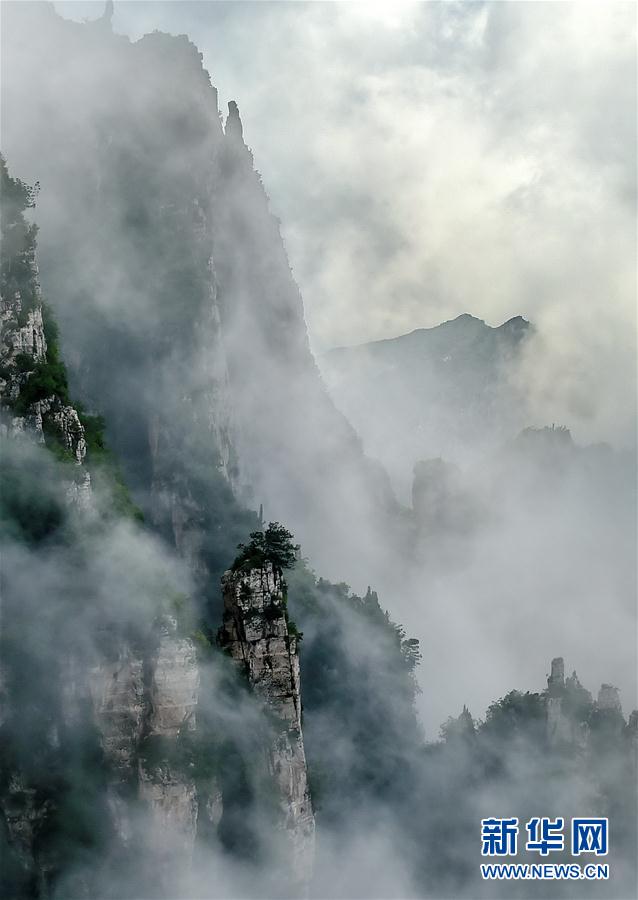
x,y
429,159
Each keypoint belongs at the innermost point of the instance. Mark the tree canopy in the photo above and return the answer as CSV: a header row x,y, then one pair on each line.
x,y
274,545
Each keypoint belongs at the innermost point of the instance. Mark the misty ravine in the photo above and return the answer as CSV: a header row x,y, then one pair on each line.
x,y
192,704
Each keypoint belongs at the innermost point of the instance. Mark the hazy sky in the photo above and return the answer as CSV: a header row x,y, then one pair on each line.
x,y
428,159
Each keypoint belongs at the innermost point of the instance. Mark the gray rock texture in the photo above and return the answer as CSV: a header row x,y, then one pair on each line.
x,y
256,633
23,351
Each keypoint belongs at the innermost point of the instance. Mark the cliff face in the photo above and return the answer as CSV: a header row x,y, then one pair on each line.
x,y
257,634
142,703
127,689
139,697
131,688
194,343
23,352
134,698
33,390
151,806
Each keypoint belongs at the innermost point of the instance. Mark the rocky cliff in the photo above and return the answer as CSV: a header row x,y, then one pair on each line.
x,y
195,343
140,706
146,701
135,690
129,688
33,389
23,349
257,634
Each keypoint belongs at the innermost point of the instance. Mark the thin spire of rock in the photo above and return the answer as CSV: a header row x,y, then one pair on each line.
x,y
234,128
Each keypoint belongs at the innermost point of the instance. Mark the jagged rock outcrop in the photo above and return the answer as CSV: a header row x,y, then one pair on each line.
x,y
571,711
609,697
556,678
23,348
24,357
18,337
561,729
256,632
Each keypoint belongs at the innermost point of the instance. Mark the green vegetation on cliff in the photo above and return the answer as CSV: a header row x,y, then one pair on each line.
x,y
18,268
274,545
46,379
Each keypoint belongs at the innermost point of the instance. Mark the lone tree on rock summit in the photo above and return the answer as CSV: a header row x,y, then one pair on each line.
x,y
274,545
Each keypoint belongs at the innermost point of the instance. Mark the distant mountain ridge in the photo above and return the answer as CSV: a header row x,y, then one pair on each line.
x,y
516,327
433,392
512,330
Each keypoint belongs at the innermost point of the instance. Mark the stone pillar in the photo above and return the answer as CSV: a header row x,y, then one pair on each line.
x,y
556,680
256,633
608,697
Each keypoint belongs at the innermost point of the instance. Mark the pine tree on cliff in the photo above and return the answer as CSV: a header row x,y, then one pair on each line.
x,y
274,545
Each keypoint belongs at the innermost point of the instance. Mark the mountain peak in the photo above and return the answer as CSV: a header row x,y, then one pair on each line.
x,y
465,317
516,323
516,329
465,320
